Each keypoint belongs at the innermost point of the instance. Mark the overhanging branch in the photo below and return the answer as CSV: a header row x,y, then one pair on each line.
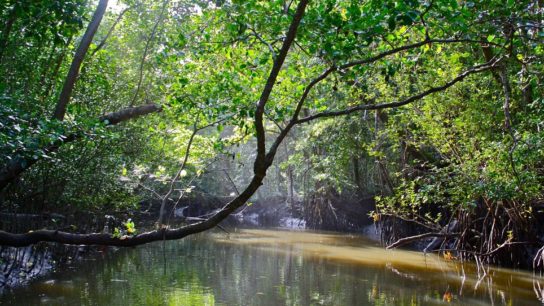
x,y
294,120
347,111
33,237
260,168
413,46
19,164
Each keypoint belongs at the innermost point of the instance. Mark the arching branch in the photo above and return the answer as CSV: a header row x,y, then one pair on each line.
x,y
459,78
413,46
295,118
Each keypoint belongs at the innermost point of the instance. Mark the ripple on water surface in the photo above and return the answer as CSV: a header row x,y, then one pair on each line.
x,y
267,267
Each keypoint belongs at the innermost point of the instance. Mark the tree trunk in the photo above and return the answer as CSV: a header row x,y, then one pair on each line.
x,y
73,73
291,188
357,175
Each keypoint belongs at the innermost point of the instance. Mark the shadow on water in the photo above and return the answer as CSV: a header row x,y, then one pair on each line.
x,y
266,267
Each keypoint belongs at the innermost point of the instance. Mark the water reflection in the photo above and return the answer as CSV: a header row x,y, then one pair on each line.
x,y
276,268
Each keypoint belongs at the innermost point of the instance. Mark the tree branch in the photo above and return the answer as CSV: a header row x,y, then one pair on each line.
x,y
103,42
412,46
261,161
294,120
146,50
272,52
410,239
162,212
33,237
19,164
460,77
130,113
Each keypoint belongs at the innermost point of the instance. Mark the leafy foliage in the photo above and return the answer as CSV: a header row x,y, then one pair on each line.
x,y
472,142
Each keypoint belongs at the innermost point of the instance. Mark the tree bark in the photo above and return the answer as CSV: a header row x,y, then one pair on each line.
x,y
130,113
73,73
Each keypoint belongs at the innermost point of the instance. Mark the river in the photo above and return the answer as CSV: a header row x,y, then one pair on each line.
x,y
271,267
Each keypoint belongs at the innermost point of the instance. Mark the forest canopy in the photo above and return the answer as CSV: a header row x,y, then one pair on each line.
x,y
432,108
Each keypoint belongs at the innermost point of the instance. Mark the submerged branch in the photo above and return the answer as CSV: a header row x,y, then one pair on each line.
x,y
410,239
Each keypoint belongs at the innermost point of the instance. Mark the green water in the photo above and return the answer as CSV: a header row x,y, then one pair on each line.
x,y
254,267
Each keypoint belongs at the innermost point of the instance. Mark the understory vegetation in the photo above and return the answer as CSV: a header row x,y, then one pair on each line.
x,y
425,117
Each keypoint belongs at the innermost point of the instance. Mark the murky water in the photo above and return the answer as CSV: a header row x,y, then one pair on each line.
x,y
262,267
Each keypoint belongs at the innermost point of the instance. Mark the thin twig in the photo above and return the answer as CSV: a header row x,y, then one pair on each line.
x,y
146,50
103,42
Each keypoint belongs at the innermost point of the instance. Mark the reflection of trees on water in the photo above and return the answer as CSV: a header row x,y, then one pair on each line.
x,y
468,283
197,271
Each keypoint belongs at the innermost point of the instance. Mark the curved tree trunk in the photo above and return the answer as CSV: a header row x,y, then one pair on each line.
x,y
21,240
